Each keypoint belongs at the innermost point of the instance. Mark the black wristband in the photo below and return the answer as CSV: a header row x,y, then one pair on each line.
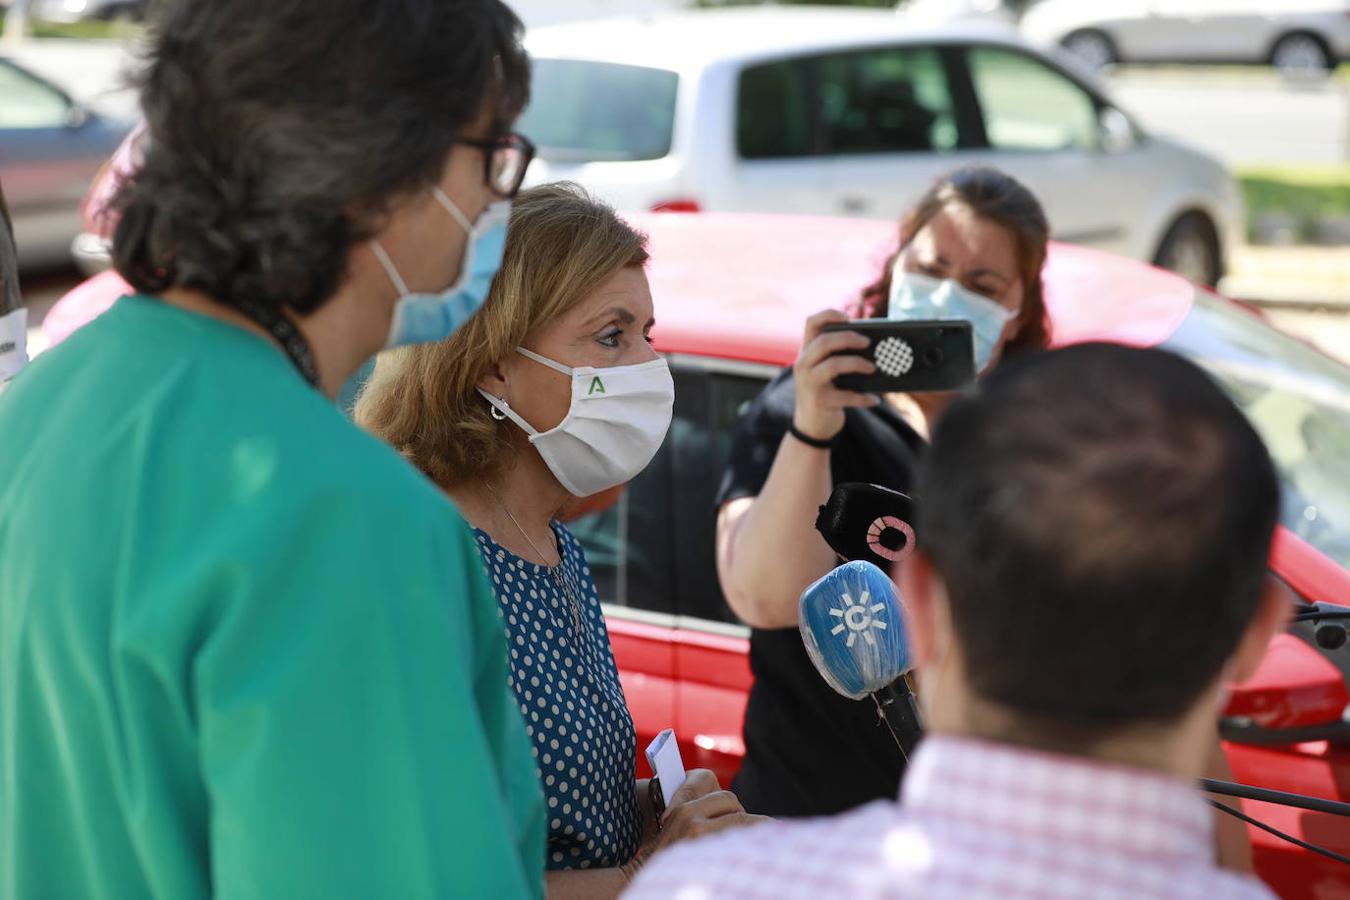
x,y
808,440
656,799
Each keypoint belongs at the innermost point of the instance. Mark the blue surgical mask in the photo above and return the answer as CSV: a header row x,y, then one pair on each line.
x,y
421,318
915,296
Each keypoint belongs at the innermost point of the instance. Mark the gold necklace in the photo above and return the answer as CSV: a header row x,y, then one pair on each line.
x,y
555,571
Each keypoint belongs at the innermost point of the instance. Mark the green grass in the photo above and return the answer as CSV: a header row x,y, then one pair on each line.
x,y
90,30
1305,193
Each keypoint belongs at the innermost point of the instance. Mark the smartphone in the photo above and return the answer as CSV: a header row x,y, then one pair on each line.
x,y
911,356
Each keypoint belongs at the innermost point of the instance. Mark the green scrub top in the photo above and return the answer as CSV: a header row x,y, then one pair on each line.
x,y
245,649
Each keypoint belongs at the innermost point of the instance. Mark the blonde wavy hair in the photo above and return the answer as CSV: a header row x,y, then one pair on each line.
x,y
423,400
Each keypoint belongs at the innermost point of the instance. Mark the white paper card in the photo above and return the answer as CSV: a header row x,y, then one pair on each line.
x,y
13,343
664,756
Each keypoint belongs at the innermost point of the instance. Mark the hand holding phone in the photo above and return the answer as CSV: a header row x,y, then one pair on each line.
x,y
819,406
909,357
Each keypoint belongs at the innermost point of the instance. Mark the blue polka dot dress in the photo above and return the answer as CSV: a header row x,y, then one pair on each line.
x,y
569,693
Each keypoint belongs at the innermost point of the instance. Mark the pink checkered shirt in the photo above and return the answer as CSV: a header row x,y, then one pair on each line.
x,y
975,820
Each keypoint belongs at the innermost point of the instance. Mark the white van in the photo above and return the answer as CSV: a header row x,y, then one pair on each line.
x,y
855,112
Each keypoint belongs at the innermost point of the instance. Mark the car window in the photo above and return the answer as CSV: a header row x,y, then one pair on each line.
x,y
887,100
654,549
26,102
1299,401
1029,106
773,111
585,111
702,447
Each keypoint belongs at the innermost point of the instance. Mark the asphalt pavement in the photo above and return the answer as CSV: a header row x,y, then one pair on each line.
x,y
1245,117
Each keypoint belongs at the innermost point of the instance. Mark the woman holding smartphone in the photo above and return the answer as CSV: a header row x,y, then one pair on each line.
x,y
972,248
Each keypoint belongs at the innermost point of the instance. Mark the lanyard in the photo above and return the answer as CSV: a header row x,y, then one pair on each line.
x,y
297,349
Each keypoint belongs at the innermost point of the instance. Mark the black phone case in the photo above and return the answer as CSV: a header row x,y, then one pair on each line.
x,y
911,356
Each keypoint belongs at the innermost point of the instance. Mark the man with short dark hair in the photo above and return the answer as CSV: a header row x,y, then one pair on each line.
x,y
1092,573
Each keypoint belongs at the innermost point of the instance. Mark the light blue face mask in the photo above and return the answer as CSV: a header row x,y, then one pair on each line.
x,y
421,318
916,296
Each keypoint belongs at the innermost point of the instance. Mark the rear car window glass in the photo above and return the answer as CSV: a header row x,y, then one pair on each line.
x,y
890,100
883,100
702,449
1029,106
26,102
585,111
773,111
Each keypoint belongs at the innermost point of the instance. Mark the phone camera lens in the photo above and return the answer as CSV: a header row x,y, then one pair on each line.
x,y
933,357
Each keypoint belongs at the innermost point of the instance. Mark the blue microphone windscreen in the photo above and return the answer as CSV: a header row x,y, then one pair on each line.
x,y
853,628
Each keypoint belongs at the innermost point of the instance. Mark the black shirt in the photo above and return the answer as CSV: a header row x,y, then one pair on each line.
x,y
808,750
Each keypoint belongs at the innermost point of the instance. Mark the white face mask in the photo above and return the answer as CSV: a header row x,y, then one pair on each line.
x,y
618,418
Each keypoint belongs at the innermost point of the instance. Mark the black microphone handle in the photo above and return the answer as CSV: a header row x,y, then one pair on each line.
x,y
899,709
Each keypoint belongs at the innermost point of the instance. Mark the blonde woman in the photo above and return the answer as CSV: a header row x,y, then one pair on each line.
x,y
550,393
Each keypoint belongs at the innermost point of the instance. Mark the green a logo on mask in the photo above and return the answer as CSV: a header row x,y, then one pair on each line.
x,y
597,386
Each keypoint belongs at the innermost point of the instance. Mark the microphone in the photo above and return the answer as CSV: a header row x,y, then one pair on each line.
x,y
854,631
868,522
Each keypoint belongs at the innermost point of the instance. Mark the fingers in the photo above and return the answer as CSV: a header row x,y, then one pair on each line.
x,y
817,323
829,344
721,823
709,806
697,783
837,398
834,366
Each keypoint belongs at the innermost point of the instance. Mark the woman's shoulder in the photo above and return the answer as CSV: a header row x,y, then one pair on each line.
x,y
772,410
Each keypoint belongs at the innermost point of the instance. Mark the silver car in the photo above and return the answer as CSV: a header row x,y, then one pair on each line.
x,y
50,149
1295,36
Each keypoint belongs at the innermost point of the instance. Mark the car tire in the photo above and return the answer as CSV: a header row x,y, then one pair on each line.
x,y
1302,53
1190,247
1093,48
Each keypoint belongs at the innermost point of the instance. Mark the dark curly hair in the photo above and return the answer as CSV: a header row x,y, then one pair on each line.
x,y
279,136
999,198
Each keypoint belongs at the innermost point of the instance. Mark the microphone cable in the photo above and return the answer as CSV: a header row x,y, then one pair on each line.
x,y
1282,798
1312,848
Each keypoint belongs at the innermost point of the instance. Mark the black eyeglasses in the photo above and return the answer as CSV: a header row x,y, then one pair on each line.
x,y
504,162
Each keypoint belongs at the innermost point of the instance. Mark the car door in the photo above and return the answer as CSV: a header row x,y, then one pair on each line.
x,y
1046,130
1210,30
44,162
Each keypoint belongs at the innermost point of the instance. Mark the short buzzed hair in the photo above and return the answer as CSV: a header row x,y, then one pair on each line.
x,y
1101,517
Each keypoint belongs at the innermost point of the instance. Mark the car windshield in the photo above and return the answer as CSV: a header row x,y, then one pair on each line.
x,y
584,111
1298,399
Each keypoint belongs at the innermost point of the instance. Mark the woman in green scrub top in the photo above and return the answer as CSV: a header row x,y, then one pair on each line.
x,y
246,650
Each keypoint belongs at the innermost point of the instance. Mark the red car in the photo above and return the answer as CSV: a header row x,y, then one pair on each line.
x,y
732,293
